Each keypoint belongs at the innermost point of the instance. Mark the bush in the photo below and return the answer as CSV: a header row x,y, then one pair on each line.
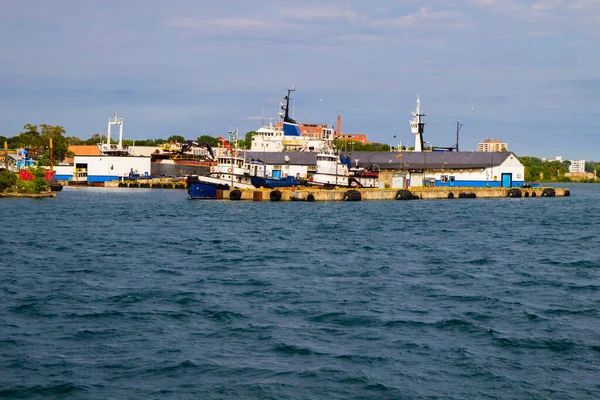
x,y
39,184
7,180
24,186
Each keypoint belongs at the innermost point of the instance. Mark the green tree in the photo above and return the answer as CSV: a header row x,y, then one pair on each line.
x,y
533,168
590,166
30,139
60,143
248,139
95,139
13,142
74,141
36,139
145,142
212,141
567,164
552,170
176,138
142,142
349,145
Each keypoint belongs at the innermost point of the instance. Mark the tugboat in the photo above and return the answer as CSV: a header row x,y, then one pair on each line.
x,y
365,177
330,170
333,170
230,172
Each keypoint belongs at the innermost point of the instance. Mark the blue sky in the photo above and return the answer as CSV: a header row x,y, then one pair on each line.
x,y
525,72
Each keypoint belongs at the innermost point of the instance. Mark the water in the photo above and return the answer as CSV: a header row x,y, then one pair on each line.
x,y
121,293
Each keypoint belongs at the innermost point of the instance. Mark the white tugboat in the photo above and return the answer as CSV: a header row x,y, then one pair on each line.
x,y
330,170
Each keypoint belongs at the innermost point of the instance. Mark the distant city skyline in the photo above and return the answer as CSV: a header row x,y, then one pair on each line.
x,y
524,72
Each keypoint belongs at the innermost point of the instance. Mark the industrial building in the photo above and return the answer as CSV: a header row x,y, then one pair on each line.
x,y
412,169
103,168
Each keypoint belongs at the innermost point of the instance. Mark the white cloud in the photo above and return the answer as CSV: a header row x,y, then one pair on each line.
x,y
547,17
355,38
222,23
319,12
427,18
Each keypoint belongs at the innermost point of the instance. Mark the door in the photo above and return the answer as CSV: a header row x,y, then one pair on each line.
x,y
398,181
451,181
506,180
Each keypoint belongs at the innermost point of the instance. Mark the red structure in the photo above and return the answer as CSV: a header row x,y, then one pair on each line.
x,y
28,176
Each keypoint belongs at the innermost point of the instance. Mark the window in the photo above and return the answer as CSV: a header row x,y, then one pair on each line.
x,y
444,178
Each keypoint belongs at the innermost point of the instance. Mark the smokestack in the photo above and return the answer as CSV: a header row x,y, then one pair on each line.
x,y
339,125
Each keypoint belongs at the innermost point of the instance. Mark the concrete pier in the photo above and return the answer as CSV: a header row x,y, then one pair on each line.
x,y
424,193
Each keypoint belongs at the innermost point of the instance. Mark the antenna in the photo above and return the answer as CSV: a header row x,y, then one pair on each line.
x,y
473,111
458,126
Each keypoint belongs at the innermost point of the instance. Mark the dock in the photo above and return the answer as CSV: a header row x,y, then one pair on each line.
x,y
360,194
135,184
40,195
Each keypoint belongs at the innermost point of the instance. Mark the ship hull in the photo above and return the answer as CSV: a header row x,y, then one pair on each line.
x,y
199,190
267,183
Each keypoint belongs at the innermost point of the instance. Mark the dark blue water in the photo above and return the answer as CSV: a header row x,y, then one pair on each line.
x,y
122,293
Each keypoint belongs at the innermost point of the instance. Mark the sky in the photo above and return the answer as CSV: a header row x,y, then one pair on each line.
x,y
526,72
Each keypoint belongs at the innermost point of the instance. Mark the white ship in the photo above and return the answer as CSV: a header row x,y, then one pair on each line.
x,y
287,136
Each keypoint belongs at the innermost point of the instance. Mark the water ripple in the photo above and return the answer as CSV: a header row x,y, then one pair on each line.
x,y
145,294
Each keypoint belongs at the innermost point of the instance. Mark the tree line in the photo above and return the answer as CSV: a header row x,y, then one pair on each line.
x,y
537,169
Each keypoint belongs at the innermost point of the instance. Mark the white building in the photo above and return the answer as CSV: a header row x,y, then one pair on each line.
x,y
109,168
577,166
413,169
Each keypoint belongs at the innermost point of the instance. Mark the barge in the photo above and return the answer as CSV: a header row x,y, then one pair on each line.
x,y
358,194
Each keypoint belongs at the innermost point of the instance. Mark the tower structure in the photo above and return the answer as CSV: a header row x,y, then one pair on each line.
x,y
417,127
115,121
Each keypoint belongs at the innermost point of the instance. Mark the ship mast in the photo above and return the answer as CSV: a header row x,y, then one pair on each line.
x,y
286,108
